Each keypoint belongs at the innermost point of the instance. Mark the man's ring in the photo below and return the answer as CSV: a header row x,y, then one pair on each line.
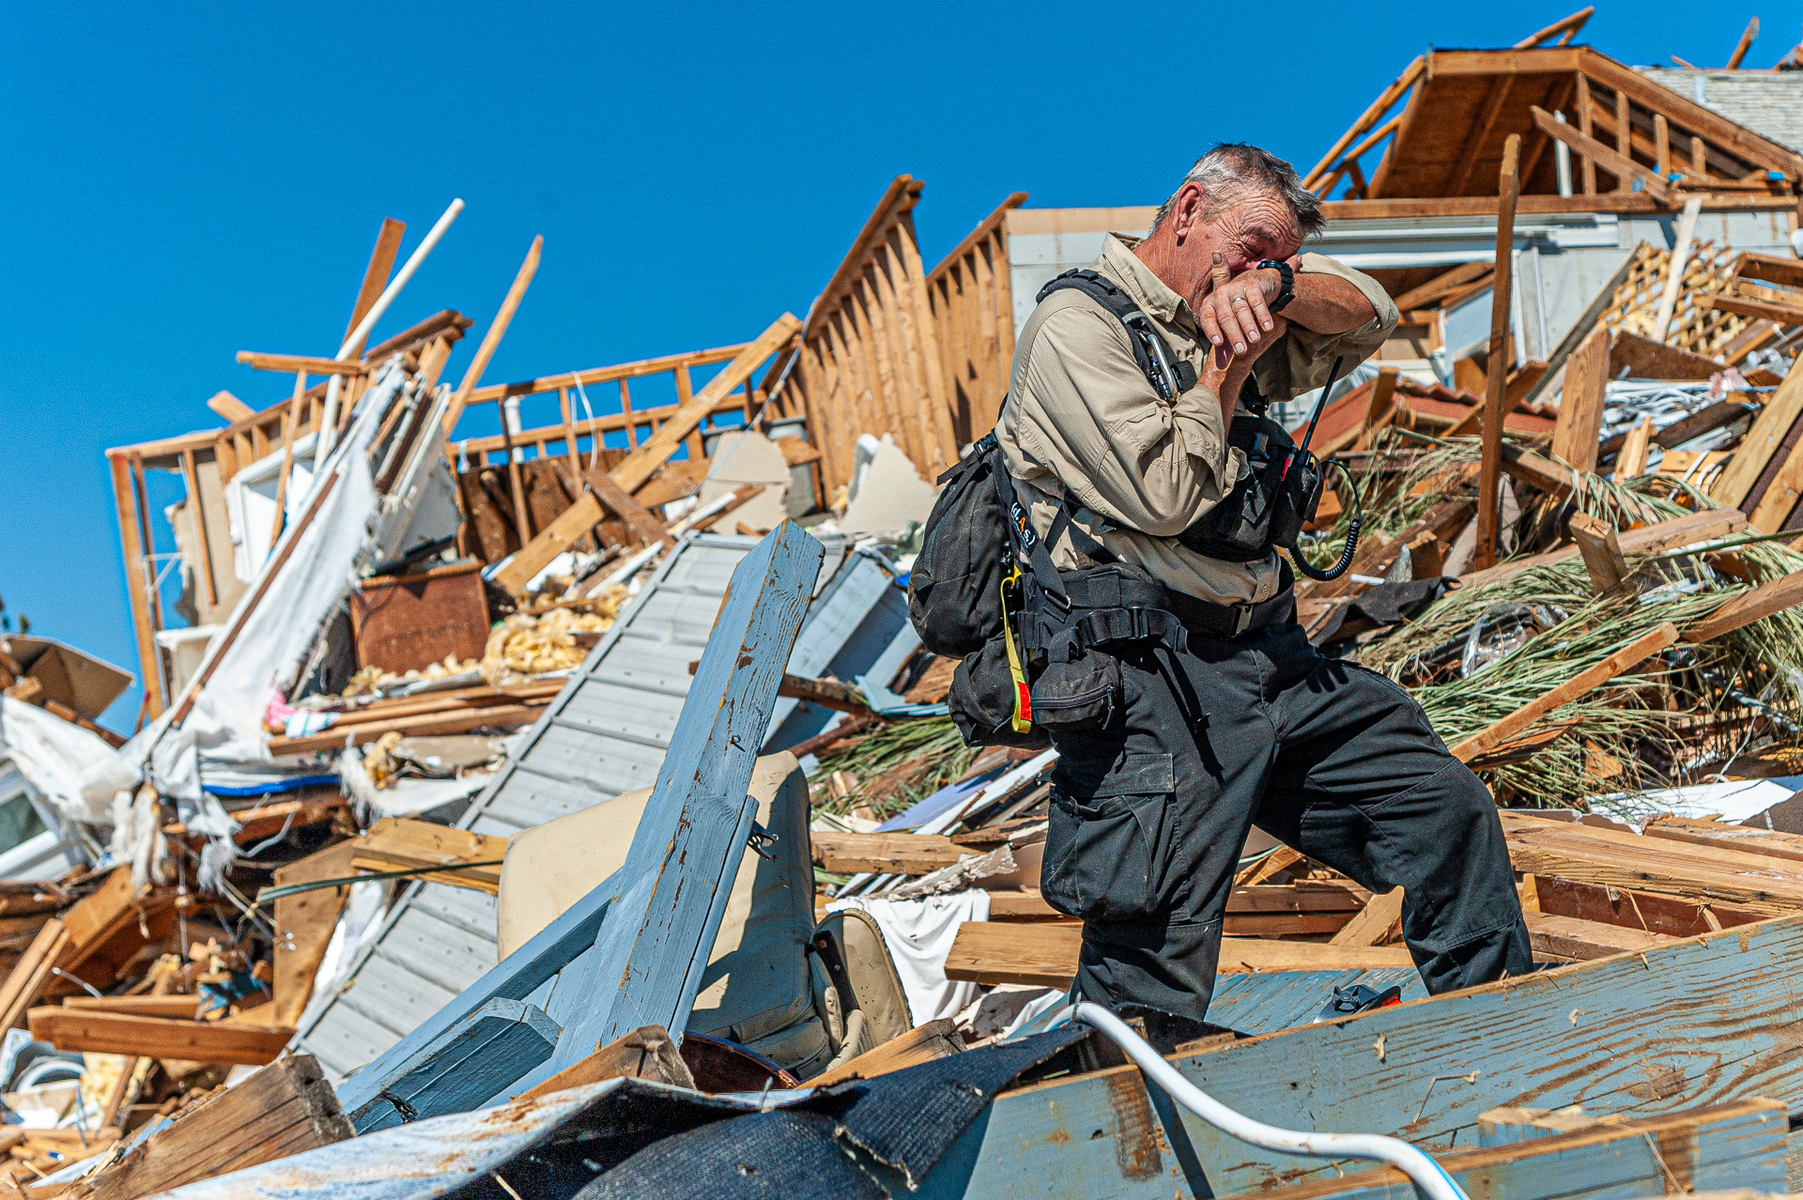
x,y
1238,300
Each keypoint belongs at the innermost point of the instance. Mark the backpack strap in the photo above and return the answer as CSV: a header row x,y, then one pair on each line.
x,y
1169,376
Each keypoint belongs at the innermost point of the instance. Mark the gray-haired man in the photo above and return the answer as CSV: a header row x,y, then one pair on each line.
x,y
1152,804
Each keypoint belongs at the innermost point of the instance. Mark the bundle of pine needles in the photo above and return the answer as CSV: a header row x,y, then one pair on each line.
x,y
894,765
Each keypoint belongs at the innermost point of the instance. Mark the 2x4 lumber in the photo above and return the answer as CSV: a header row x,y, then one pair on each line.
x,y
1745,44
1761,442
400,844
1443,284
1625,659
638,466
1658,538
304,923
447,323
1371,927
491,340
1647,911
1786,487
230,407
645,1053
646,527
1618,1035
1600,546
617,373
1046,955
1770,269
137,588
1630,462
375,278
1497,374
646,963
1726,836
884,853
289,364
1756,604
922,1044
1764,307
426,724
1612,161
1581,403
100,1032
1568,26
549,542
30,973
1580,940
284,1109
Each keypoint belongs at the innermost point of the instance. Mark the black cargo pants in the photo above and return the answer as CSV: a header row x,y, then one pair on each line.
x,y
1150,815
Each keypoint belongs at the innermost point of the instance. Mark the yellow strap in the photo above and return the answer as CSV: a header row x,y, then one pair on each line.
x,y
1022,721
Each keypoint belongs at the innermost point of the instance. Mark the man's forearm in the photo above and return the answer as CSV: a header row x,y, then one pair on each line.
x,y
1327,303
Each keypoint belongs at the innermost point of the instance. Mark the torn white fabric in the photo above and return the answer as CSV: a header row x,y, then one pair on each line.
x,y
225,721
357,927
919,934
52,754
138,840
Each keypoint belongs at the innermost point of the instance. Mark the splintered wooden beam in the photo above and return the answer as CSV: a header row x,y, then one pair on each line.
x,y
1769,308
989,953
1756,604
1657,538
289,364
491,340
230,407
284,1109
1601,547
99,1032
1625,659
885,853
1488,498
402,844
637,467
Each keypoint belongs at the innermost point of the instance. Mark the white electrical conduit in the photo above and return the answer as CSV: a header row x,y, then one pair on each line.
x,y
328,422
1427,1174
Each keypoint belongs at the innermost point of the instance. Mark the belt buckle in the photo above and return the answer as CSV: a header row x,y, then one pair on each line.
x,y
1242,620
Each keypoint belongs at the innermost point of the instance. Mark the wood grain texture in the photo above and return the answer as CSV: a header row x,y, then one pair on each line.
x,y
1701,1021
304,925
100,1032
990,953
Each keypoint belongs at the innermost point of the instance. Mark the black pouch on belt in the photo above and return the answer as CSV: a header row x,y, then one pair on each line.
x,y
1269,504
1076,680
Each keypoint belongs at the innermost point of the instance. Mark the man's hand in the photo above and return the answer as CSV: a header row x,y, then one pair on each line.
x,y
1235,315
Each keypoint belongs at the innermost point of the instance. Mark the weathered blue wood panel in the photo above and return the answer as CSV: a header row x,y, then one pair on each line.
x,y
1699,1021
463,1066
649,955
513,978
1265,1003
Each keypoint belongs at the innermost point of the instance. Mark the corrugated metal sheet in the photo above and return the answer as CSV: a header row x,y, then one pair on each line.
x,y
604,734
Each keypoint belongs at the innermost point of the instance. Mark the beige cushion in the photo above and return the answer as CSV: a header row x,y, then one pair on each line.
x,y
756,984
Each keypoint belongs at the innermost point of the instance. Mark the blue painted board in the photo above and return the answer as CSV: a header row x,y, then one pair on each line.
x,y
1698,1021
1254,1002
650,952
462,1067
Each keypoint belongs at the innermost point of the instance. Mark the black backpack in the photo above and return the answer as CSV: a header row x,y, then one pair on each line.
x,y
954,587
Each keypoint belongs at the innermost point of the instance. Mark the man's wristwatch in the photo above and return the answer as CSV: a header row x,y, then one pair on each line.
x,y
1288,292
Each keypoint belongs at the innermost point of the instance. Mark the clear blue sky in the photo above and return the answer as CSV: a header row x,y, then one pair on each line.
x,y
180,182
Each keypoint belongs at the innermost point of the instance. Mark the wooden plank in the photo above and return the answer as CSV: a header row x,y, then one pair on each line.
x,y
30,973
304,924
1515,723
491,339
922,1044
645,526
1687,114
291,364
1624,860
1600,547
284,1109
551,541
101,1032
137,586
1497,360
1725,836
174,1008
230,407
1649,912
1758,603
1581,403
1764,307
990,953
638,466
1729,1151
1371,927
1786,487
1657,538
1612,161
1580,940
1761,442
375,278
645,1053
400,843
1616,1035
463,1067
884,853
500,716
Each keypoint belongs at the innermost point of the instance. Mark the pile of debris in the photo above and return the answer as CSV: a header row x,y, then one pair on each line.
x,y
572,810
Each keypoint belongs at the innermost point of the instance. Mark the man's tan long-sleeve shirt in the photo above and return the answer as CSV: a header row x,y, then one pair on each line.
x,y
1081,417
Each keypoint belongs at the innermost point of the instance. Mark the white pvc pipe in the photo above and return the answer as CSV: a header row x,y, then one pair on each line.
x,y
328,422
1427,1174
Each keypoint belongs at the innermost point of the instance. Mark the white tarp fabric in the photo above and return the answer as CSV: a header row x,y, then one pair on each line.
x,y
226,720
52,754
919,934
